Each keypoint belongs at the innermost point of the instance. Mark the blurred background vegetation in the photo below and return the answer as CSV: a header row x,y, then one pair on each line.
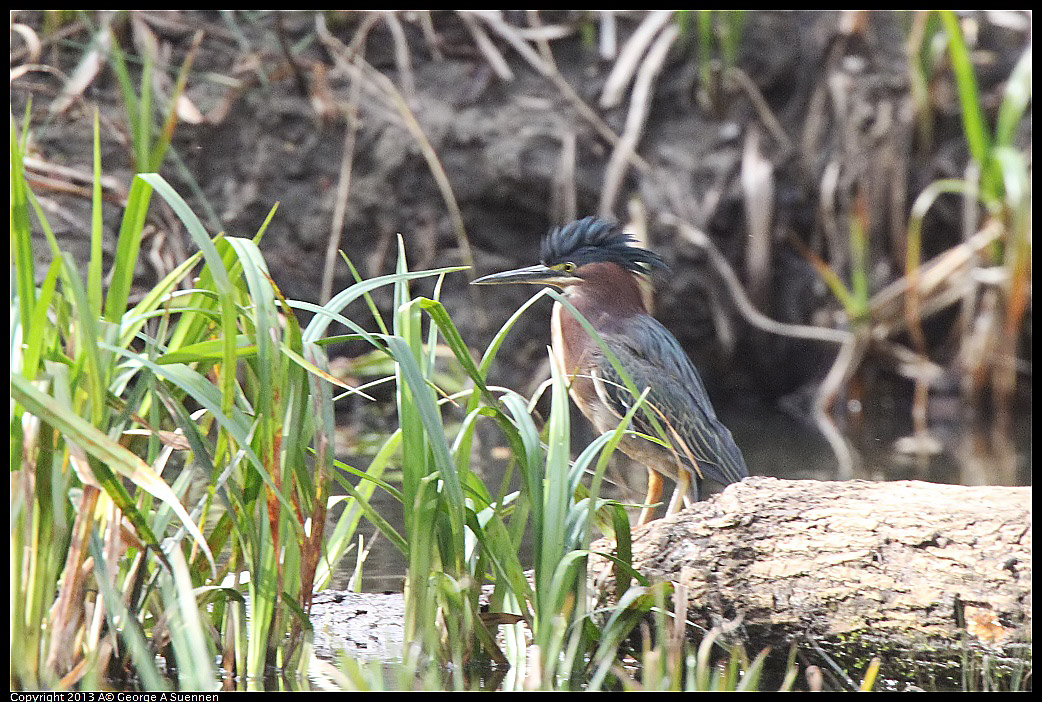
x,y
844,198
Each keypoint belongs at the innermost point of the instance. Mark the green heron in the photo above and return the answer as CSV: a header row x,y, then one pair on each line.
x,y
597,266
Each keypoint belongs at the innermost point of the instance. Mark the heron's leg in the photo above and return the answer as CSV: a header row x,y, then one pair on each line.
x,y
693,497
654,494
675,502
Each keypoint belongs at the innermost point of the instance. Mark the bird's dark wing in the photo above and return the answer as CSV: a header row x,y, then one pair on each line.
x,y
677,395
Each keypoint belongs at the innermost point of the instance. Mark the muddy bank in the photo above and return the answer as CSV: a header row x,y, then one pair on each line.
x,y
286,114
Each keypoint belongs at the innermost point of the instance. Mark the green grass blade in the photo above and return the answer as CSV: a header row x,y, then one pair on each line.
x,y
966,82
328,313
373,309
193,649
135,319
220,276
361,501
110,456
129,95
128,245
38,334
977,138
120,619
96,231
88,334
1015,100
202,391
166,133
21,235
556,500
431,419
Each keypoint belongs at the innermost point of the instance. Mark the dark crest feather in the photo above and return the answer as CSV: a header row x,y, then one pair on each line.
x,y
594,240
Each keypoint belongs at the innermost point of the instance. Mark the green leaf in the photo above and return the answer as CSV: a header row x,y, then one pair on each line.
x,y
111,455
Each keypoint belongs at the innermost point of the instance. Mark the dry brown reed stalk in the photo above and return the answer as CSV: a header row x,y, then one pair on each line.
x,y
745,307
757,178
564,201
852,346
513,36
608,36
429,35
938,283
636,118
488,49
541,38
401,55
88,68
67,615
340,204
629,60
543,63
354,64
34,44
351,127
741,79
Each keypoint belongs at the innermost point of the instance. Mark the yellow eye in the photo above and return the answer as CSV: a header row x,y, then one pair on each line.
x,y
567,267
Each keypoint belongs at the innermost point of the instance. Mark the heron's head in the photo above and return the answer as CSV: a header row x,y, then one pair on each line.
x,y
568,256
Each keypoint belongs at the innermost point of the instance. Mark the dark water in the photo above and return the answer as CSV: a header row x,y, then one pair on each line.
x,y
778,443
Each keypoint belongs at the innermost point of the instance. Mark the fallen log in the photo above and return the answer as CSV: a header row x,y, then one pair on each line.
x,y
919,574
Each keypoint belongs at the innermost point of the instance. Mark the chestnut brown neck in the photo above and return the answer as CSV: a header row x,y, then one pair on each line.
x,y
608,292
608,297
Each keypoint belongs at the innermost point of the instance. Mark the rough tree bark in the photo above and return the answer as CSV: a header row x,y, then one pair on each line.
x,y
917,573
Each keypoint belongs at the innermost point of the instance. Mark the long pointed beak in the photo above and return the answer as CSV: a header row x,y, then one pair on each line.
x,y
537,275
